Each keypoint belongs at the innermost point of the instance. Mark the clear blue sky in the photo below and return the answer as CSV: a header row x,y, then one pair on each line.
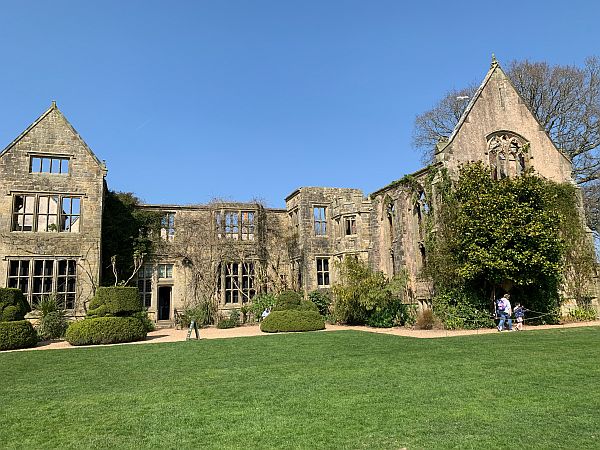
x,y
190,100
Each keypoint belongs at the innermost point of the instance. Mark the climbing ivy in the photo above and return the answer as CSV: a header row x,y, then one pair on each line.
x,y
126,232
524,234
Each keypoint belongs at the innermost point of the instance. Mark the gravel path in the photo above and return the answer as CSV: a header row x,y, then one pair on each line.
x,y
172,335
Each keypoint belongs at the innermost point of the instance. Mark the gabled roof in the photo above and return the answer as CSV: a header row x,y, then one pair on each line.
x,y
495,66
52,108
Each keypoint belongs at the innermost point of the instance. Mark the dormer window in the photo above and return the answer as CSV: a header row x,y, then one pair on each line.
x,y
49,164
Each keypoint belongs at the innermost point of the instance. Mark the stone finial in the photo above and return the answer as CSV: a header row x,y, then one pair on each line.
x,y
494,61
53,103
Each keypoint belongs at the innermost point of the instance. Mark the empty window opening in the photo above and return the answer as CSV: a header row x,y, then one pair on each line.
x,y
350,225
320,220
231,225
42,213
47,164
247,225
167,227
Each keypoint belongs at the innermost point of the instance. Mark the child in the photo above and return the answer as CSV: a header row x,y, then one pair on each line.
x,y
519,315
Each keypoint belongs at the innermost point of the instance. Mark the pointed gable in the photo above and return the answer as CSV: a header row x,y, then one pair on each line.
x,y
497,108
52,134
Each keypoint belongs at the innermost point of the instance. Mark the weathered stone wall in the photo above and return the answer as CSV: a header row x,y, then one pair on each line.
x,y
52,135
340,204
500,108
398,233
198,247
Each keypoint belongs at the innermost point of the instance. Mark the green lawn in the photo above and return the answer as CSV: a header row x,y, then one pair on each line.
x,y
336,389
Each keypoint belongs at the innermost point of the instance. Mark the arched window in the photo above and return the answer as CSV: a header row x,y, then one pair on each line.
x,y
506,154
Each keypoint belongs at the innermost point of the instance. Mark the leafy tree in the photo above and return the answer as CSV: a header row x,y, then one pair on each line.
x,y
365,296
523,233
126,235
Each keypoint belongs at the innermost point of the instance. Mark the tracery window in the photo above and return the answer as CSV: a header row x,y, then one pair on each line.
x,y
507,155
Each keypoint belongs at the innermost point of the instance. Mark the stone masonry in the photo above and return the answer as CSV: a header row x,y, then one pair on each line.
x,y
51,210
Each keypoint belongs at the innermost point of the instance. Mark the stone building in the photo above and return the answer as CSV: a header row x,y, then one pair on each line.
x,y
52,188
50,217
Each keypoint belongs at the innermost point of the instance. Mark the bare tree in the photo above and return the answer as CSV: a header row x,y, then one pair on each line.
x,y
565,100
437,124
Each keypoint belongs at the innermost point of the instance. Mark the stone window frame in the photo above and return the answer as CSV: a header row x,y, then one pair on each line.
x,y
507,154
165,271
236,224
320,220
323,271
145,280
50,164
63,217
167,226
236,282
294,215
247,224
350,225
60,281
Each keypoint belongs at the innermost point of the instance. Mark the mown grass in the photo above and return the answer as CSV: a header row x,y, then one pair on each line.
x,y
314,390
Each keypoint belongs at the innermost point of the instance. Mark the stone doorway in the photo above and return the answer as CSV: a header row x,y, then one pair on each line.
x,y
164,302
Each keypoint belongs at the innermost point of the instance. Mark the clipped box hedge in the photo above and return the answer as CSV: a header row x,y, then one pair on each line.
x,y
292,320
115,301
105,330
18,334
13,305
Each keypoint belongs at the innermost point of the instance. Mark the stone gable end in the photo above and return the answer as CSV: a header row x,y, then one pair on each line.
x,y
499,108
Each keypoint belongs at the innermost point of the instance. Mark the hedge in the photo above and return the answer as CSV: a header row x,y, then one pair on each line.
x,y
13,305
288,300
292,320
105,330
115,301
18,334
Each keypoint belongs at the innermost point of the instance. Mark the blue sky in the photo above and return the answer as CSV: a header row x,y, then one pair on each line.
x,y
189,101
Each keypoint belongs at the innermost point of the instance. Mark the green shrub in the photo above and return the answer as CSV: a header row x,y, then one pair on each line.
x,y
261,302
581,314
105,330
16,304
115,301
230,322
52,326
17,334
322,300
142,316
287,300
202,313
362,292
47,305
11,313
292,320
393,314
458,309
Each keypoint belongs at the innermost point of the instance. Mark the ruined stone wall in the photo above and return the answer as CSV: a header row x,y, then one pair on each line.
x,y
52,136
398,232
500,108
200,247
343,208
